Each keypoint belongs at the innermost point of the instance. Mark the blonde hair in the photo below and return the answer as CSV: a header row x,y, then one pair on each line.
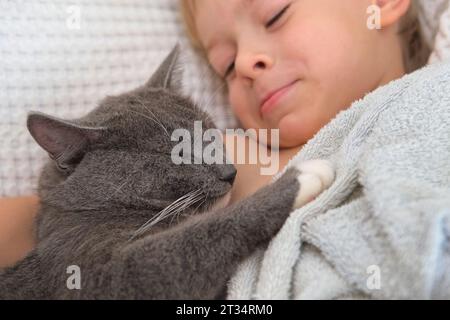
x,y
415,49
188,16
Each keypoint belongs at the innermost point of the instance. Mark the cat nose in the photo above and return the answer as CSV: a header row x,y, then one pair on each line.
x,y
228,173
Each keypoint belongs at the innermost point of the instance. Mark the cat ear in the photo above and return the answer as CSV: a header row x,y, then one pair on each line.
x,y
65,142
168,75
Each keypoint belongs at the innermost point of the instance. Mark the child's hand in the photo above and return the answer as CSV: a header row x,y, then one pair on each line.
x,y
314,177
16,228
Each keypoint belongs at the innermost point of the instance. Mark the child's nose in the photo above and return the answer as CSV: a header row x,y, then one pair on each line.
x,y
253,65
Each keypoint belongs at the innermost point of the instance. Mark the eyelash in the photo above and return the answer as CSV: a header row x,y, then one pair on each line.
x,y
270,23
277,16
229,69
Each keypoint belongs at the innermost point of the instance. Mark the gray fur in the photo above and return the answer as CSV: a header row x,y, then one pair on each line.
x,y
111,173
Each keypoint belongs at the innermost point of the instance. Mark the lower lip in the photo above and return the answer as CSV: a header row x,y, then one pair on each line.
x,y
274,100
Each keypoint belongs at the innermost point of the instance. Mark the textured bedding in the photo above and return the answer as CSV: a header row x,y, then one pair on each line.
x,y
49,64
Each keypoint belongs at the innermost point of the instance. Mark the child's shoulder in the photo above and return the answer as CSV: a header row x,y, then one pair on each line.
x,y
415,107
423,94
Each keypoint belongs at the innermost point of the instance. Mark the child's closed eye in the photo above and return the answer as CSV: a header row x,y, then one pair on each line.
x,y
229,69
272,21
277,17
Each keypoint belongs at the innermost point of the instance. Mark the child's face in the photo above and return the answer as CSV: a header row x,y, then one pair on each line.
x,y
320,51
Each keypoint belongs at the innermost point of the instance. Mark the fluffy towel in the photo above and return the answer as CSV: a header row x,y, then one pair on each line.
x,y
383,228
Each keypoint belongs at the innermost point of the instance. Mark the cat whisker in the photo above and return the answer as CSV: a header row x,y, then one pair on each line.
x,y
173,209
152,117
195,210
200,204
187,204
163,215
180,202
155,118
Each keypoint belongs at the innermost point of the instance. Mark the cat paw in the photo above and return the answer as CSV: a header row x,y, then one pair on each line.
x,y
314,177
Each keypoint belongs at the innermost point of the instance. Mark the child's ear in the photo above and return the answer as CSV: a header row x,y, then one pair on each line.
x,y
65,142
168,75
392,10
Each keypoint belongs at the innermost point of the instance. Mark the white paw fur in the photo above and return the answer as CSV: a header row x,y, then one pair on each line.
x,y
315,177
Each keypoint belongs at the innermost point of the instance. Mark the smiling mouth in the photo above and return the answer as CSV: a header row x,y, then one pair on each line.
x,y
272,100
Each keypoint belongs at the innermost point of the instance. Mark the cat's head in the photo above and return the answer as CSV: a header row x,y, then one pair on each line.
x,y
121,154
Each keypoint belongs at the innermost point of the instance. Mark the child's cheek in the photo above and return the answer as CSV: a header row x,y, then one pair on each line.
x,y
240,104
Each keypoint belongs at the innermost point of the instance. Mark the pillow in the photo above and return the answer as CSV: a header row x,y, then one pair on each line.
x,y
61,57
435,20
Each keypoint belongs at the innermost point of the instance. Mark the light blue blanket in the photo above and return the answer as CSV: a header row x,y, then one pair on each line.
x,y
383,228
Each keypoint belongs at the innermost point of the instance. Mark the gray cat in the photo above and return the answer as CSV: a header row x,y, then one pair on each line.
x,y
133,224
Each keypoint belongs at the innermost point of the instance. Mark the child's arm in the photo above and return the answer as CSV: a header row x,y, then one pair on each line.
x,y
248,179
16,228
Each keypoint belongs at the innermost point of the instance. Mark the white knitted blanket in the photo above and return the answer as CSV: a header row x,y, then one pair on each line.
x,y
61,57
